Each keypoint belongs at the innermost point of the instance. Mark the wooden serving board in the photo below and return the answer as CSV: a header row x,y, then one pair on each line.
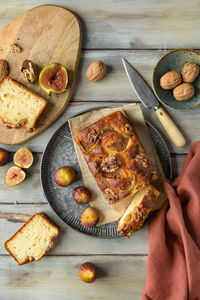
x,y
46,34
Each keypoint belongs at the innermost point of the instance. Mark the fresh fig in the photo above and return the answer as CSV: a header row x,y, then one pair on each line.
x,y
53,78
23,158
89,216
4,157
81,195
64,176
14,176
87,272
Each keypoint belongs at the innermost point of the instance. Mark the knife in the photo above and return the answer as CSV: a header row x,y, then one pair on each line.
x,y
148,99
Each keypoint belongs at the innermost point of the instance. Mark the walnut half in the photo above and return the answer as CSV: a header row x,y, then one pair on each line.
x,y
29,71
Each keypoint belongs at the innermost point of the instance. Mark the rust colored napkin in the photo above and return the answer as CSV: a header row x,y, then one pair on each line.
x,y
173,265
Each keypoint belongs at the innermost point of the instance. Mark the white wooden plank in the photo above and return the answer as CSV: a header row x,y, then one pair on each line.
x,y
125,24
57,278
187,122
70,241
29,191
21,193
115,87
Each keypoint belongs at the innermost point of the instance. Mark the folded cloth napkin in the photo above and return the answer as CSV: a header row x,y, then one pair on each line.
x,y
173,264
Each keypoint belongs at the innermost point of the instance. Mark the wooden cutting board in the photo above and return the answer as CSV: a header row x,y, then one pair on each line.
x,y
46,34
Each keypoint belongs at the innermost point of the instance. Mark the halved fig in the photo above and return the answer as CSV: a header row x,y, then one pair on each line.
x,y
23,158
14,176
53,78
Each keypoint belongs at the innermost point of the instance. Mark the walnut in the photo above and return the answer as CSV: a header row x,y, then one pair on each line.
x,y
127,183
190,71
183,92
170,80
28,71
111,164
3,68
142,160
14,48
93,136
112,175
96,71
110,195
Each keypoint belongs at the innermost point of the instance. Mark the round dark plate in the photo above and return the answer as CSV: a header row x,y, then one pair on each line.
x,y
175,61
60,152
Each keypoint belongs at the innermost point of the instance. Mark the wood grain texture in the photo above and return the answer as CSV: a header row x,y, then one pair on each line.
x,y
46,34
138,24
187,122
21,193
57,278
12,218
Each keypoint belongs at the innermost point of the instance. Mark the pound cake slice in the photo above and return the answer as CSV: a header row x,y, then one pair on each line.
x,y
116,157
19,107
138,210
32,240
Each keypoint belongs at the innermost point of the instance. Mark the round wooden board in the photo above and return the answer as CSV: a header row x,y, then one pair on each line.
x,y
46,34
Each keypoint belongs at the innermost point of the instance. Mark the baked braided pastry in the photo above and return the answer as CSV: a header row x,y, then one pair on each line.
x,y
115,157
138,210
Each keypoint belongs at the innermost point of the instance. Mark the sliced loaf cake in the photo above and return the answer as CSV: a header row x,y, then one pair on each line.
x,y
33,239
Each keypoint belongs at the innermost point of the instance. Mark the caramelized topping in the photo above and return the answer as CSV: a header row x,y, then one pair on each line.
x,y
93,136
126,184
111,164
142,160
127,129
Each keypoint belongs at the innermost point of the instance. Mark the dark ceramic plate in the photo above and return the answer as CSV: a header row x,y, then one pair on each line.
x,y
175,61
59,152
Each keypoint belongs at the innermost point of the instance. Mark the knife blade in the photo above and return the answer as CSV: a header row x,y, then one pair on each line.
x,y
149,100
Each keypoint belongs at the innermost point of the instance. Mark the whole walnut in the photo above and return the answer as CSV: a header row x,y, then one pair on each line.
x,y
170,80
96,71
190,71
184,91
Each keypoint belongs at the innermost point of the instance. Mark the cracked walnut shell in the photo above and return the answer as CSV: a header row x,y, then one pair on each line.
x,y
184,91
170,80
3,68
190,71
28,71
96,71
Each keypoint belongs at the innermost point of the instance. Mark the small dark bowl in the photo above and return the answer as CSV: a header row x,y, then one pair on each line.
x,y
174,61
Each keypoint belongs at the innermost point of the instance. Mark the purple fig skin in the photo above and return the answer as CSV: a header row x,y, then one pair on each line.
x,y
4,157
81,195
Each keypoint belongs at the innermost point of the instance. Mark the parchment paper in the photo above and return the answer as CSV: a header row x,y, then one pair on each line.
x,y
134,114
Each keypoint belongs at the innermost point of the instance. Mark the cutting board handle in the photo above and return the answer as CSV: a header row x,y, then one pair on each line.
x,y
171,129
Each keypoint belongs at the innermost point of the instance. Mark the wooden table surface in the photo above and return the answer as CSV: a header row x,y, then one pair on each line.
x,y
141,31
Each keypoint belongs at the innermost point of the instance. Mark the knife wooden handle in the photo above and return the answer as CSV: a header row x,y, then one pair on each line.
x,y
173,131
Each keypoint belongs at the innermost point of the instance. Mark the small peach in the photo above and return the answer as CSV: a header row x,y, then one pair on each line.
x,y
89,217
4,157
87,272
81,195
64,176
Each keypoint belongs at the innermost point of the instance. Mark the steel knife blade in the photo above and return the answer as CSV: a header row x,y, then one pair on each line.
x,y
147,97
141,88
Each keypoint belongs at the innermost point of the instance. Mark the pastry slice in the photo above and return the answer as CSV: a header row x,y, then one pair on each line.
x,y
32,240
138,210
19,107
